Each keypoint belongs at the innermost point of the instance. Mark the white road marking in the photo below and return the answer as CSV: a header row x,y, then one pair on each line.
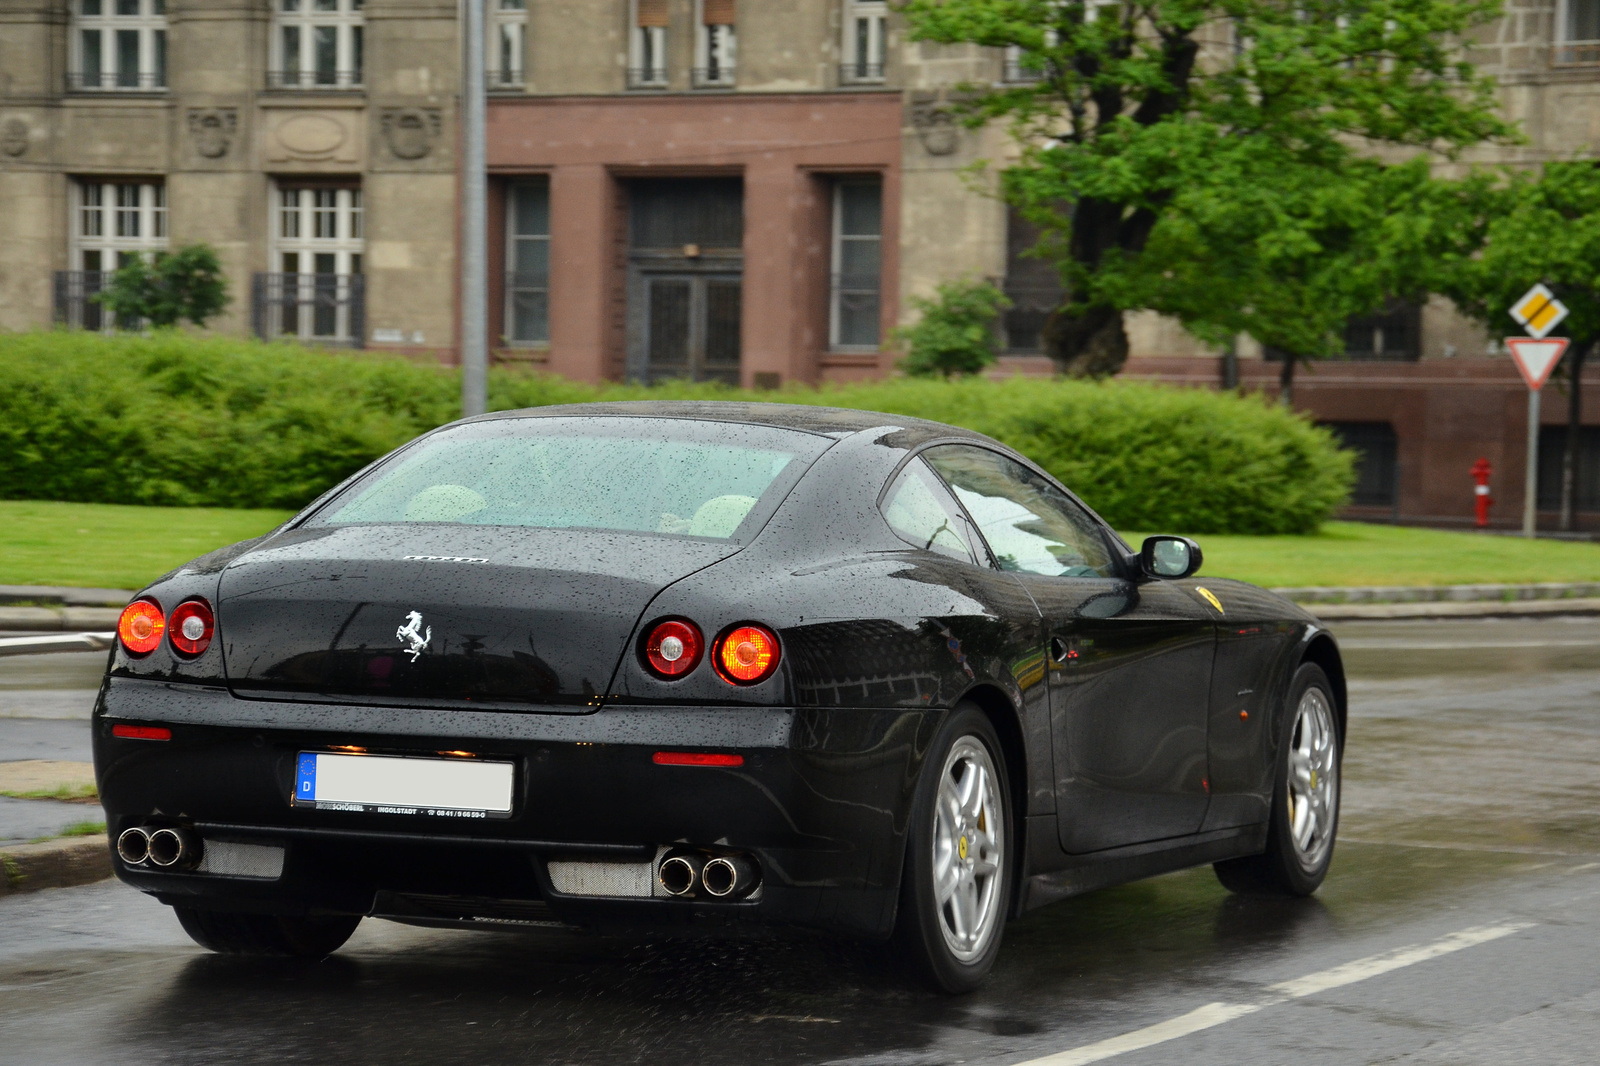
x,y
1377,644
1215,1014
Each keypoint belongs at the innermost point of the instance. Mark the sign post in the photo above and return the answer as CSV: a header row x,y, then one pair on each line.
x,y
1538,312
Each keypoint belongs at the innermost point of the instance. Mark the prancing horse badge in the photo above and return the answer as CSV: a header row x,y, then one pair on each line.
x,y
412,633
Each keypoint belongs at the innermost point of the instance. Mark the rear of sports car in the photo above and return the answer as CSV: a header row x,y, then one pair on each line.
x,y
462,691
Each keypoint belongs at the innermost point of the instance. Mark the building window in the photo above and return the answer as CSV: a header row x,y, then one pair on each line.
x,y
528,260
857,275
863,47
647,45
111,223
1377,457
508,44
316,44
1393,335
118,45
1033,285
316,289
1578,31
1552,463
716,46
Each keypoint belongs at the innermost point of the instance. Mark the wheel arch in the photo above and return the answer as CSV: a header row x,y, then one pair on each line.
x,y
1322,651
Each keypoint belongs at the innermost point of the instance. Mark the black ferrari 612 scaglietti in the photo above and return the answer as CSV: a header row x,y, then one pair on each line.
x,y
678,666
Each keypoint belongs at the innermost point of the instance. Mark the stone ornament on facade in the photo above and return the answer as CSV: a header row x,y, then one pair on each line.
x,y
14,137
935,125
314,139
213,129
410,131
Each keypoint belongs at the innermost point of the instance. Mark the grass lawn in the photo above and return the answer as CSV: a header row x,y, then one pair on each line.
x,y
1355,553
103,545
97,545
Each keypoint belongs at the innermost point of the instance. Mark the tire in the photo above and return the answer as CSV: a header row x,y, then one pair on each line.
x,y
1305,798
971,844
291,936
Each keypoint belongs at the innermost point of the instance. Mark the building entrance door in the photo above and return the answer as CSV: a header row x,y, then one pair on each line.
x,y
692,327
685,279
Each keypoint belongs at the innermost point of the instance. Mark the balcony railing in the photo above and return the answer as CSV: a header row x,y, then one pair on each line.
x,y
860,73
313,80
1576,53
505,81
647,77
75,306
126,81
330,308
712,77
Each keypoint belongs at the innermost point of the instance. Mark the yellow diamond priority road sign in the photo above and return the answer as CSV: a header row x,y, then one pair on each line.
x,y
1538,311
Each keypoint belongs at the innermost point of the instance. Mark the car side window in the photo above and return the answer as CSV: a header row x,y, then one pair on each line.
x,y
922,514
1031,525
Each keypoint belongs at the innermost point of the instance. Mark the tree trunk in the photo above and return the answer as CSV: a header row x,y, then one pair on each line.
x,y
1286,379
1569,462
1090,344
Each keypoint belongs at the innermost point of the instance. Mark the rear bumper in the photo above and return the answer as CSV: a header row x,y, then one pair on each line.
x,y
820,804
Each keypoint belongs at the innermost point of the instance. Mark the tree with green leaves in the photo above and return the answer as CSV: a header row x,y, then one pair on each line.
x,y
1540,228
1135,102
168,288
954,332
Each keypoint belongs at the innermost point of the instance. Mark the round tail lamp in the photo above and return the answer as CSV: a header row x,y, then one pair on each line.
x,y
191,626
747,654
141,626
673,648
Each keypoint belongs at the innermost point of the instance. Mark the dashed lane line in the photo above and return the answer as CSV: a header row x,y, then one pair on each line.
x,y
1215,1014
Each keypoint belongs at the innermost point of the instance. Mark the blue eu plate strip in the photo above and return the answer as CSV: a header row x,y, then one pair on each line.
x,y
305,789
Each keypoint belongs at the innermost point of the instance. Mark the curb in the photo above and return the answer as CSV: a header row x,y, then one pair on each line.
x,y
55,864
1350,612
1550,590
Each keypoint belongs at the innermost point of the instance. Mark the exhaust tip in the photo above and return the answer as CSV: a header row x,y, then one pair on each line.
x,y
679,873
133,846
169,847
728,876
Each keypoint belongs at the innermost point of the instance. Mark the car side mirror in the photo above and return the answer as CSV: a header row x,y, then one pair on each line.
x,y
1168,556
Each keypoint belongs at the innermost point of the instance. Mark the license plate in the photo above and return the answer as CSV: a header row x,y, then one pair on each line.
x,y
386,784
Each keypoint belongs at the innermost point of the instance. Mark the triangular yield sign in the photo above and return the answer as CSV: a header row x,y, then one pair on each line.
x,y
1536,358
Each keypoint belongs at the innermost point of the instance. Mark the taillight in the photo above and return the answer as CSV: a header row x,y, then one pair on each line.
x,y
747,654
141,626
192,625
673,648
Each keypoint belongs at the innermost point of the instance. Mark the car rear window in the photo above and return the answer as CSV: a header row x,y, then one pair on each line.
x,y
675,477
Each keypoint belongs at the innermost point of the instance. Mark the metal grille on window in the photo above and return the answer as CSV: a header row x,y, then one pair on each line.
x,y
1578,39
118,45
111,223
717,47
528,255
647,47
318,290
855,305
317,44
864,46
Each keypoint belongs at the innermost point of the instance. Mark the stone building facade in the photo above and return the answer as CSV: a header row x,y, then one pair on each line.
x,y
742,190
310,142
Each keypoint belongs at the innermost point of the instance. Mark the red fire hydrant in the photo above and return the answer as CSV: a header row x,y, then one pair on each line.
x,y
1480,473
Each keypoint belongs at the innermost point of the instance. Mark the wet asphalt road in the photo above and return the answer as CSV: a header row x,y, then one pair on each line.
x,y
1460,925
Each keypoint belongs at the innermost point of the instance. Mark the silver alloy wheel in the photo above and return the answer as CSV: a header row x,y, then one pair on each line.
x,y
968,849
1313,792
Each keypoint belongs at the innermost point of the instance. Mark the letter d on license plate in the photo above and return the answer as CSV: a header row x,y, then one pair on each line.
x,y
386,784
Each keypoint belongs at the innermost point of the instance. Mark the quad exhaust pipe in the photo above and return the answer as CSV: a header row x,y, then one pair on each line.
x,y
166,848
684,872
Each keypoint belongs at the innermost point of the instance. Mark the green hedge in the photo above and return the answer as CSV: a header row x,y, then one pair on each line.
x,y
177,420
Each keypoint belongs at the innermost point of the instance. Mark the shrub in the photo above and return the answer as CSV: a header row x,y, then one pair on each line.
x,y
173,419
170,287
954,331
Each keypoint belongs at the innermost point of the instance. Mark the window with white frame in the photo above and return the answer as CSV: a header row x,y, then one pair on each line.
x,y
528,264
118,45
864,44
508,43
716,44
855,301
316,44
647,45
1578,31
112,221
317,245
